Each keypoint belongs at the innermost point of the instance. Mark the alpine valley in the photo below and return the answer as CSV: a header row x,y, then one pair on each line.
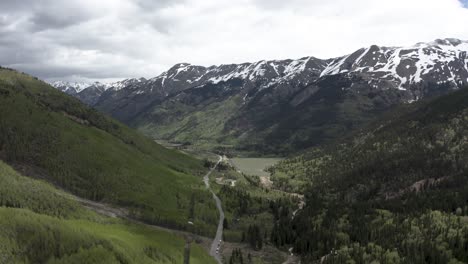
x,y
279,106
355,159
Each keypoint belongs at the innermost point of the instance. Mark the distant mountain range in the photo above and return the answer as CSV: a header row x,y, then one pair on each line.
x,y
290,103
88,92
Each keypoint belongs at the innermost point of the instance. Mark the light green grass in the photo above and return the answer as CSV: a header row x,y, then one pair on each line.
x,y
40,224
27,237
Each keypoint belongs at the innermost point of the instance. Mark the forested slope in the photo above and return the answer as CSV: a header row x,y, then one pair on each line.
x,y
395,193
50,135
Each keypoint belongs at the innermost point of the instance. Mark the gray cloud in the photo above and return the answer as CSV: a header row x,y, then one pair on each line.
x,y
116,39
60,71
154,5
45,20
14,6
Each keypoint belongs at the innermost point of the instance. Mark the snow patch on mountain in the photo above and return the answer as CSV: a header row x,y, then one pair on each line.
x,y
439,61
75,87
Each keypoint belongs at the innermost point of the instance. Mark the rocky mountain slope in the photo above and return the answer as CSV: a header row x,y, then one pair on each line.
x,y
441,61
296,103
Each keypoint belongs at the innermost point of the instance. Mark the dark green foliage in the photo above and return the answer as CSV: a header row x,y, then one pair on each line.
x,y
281,234
255,237
236,257
237,199
208,164
394,193
222,166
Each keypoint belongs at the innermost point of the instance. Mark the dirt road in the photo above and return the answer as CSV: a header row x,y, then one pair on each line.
x,y
215,246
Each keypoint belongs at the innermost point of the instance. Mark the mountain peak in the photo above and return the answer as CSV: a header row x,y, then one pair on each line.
x,y
71,87
179,66
439,61
442,61
450,42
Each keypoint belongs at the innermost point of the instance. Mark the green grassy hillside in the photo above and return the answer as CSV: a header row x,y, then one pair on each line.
x,y
40,224
50,135
395,193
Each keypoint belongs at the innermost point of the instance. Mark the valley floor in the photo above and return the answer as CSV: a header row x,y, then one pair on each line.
x,y
246,181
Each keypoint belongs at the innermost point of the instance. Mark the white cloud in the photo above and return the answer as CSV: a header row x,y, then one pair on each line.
x,y
124,38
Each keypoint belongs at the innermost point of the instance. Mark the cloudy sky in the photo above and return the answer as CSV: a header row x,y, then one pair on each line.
x,y
116,39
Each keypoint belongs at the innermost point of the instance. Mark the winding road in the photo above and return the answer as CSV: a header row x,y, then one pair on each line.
x,y
219,233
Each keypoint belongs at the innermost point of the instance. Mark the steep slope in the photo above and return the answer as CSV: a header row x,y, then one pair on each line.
x,y
50,135
40,224
278,105
395,192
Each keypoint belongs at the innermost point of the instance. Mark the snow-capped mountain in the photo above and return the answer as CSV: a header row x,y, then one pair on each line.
x,y
302,100
438,62
116,86
261,74
441,61
71,87
90,92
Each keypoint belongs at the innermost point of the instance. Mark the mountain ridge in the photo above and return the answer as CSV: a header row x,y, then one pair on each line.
x,y
334,66
296,103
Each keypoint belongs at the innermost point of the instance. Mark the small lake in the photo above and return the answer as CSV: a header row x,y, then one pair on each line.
x,y
254,166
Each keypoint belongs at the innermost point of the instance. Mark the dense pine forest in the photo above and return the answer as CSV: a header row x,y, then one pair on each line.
x,y
396,192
